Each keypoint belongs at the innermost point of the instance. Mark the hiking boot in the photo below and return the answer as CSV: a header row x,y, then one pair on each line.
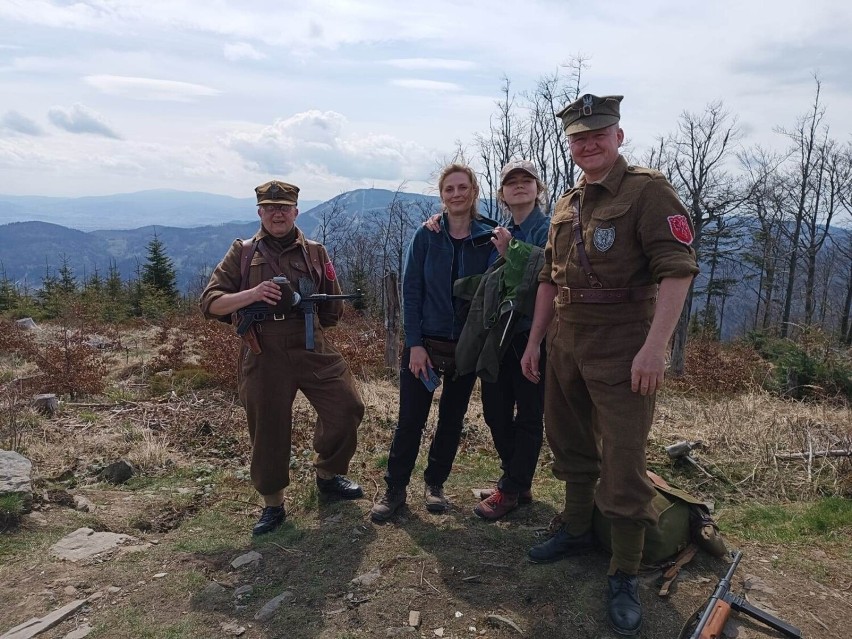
x,y
436,501
560,545
625,609
524,497
340,487
497,505
390,502
270,519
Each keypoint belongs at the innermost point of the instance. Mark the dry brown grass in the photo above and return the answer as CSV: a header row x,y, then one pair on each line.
x,y
742,434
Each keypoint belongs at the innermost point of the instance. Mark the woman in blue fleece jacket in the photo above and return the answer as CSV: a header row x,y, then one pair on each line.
x,y
433,320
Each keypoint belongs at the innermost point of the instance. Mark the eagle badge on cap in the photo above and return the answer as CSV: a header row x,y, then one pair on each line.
x,y
603,238
679,226
587,104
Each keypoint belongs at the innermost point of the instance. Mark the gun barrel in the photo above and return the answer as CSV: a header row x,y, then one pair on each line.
x,y
714,607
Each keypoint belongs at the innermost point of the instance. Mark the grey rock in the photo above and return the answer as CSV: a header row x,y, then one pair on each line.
x,y
232,628
117,472
85,543
270,607
36,625
246,559
16,477
83,505
243,590
368,578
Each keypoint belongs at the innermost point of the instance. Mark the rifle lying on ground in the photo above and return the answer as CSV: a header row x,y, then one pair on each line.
x,y
306,301
719,606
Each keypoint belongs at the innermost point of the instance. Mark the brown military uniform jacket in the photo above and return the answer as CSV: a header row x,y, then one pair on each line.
x,y
303,258
268,381
636,232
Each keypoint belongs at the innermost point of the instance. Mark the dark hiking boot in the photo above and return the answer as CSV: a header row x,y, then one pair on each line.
x,y
496,505
384,509
625,610
340,487
436,501
524,497
270,519
560,545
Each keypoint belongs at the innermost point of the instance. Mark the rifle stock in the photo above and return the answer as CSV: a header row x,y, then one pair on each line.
x,y
719,606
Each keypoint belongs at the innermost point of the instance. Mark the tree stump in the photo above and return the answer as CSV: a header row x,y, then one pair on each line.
x,y
46,404
26,324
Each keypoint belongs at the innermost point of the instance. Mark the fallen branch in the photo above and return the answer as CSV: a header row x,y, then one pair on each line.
x,y
817,453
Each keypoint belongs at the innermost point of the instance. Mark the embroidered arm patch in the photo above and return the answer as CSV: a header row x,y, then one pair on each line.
x,y
330,275
680,228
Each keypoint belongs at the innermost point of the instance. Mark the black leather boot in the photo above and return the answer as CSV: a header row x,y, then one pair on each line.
x,y
340,487
625,610
270,519
562,544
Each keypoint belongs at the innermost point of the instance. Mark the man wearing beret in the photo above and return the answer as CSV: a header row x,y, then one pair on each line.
x,y
268,380
618,265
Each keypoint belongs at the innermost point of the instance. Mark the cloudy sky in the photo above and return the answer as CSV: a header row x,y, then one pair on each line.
x,y
114,96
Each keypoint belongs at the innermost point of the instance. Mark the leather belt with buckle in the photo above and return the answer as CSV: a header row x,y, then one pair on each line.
x,y
606,295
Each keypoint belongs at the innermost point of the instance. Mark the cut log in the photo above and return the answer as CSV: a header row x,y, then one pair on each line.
x,y
46,404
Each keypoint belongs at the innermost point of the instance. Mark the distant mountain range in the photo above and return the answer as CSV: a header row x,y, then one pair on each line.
x,y
196,233
129,210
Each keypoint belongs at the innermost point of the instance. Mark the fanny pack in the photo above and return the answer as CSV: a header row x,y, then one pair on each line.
x,y
442,354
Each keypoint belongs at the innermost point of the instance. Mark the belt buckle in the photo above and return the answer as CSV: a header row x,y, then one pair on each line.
x,y
566,295
279,318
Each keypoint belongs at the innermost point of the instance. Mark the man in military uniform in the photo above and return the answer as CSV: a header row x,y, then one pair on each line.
x,y
268,380
618,265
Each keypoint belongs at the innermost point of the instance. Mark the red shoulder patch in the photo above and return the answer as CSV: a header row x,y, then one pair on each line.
x,y
330,275
680,228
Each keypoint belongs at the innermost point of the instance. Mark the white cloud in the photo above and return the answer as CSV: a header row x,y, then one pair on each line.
x,y
149,88
442,64
234,51
320,139
15,122
425,85
81,119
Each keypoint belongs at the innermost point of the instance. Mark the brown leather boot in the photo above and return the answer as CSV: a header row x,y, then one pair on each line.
x,y
499,503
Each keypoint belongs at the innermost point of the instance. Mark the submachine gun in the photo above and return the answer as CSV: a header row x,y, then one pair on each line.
x,y
719,606
305,300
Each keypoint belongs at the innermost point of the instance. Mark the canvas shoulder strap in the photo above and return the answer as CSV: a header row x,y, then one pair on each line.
x,y
247,252
315,258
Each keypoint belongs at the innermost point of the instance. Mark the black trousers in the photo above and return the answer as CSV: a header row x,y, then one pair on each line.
x,y
414,404
517,435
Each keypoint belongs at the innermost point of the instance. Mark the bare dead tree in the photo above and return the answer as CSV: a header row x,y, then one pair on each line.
x,y
698,154
804,150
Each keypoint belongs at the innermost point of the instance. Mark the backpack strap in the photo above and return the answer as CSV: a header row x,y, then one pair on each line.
x,y
315,259
247,252
671,573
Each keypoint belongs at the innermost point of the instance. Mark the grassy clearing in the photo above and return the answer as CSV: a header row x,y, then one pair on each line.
x,y
827,520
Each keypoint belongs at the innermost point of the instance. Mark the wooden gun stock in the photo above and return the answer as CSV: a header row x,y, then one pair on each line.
x,y
716,621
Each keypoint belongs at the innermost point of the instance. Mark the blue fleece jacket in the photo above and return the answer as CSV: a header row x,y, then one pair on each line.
x,y
428,305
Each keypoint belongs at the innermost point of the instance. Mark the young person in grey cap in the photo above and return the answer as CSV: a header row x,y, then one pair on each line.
x,y
618,265
513,406
269,379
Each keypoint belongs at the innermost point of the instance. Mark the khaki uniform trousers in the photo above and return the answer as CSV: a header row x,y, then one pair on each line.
x,y
267,389
596,426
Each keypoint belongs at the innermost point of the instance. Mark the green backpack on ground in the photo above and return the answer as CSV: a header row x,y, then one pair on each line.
x,y
683,520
